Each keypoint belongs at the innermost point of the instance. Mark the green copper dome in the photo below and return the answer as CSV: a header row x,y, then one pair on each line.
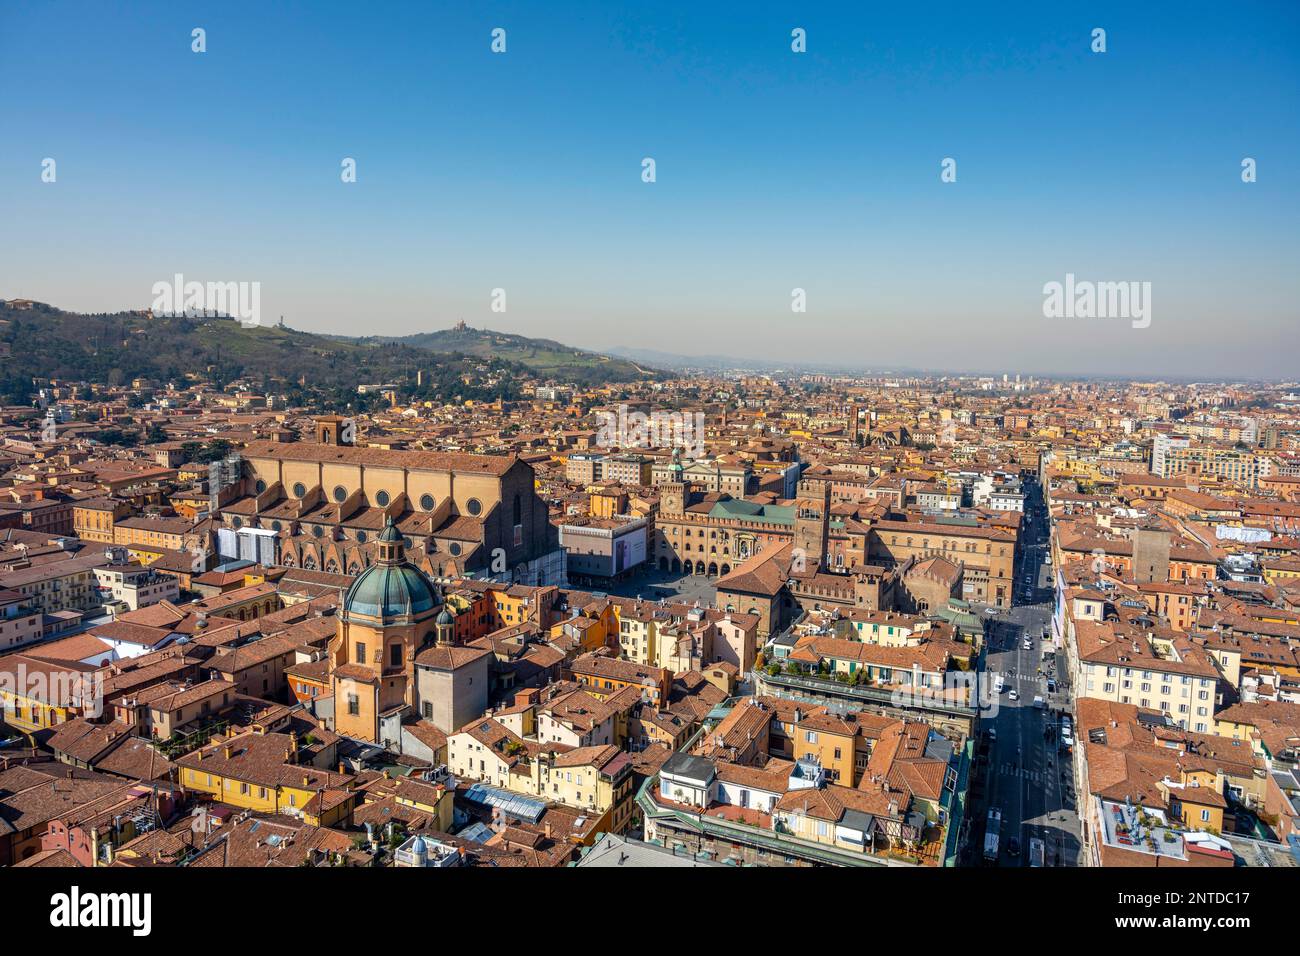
x,y
391,591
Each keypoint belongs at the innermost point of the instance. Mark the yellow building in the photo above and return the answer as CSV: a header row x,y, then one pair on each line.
x,y
93,519
835,742
36,693
173,533
597,779
256,771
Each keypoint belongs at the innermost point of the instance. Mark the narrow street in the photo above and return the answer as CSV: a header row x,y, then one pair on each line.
x,y
1023,774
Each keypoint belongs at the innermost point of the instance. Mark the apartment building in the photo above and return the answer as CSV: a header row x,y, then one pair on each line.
x,y
1159,670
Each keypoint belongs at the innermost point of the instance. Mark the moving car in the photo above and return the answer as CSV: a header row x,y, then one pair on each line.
x,y
1039,702
1014,695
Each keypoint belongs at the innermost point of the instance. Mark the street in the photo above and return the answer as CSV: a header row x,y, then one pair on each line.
x,y
1022,774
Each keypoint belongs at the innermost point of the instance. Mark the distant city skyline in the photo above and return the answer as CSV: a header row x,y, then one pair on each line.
x,y
775,171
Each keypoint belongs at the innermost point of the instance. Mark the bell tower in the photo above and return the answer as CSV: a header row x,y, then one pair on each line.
x,y
334,430
812,527
673,496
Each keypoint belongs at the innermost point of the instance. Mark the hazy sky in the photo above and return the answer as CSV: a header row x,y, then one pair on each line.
x,y
775,170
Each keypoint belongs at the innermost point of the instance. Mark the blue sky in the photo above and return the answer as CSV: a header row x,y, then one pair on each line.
x,y
522,171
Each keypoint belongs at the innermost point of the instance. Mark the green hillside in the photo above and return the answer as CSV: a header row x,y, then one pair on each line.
x,y
39,341
547,359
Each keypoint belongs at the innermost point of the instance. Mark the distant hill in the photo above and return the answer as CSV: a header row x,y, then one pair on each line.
x,y
42,341
547,359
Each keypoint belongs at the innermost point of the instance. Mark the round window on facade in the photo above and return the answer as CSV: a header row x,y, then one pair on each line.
x,y
237,521
361,537
426,502
260,486
316,532
382,499
299,489
276,526
454,548
340,494
475,507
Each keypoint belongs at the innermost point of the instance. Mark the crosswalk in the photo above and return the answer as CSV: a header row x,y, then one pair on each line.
x,y
1022,773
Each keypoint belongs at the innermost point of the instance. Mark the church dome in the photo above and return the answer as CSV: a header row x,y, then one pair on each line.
x,y
445,618
386,592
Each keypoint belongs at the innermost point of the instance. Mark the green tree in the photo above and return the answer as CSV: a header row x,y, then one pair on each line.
x,y
215,450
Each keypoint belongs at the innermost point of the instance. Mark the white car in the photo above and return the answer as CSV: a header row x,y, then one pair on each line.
x,y
1014,695
990,610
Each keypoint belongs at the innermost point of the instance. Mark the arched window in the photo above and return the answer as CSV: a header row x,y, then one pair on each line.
x,y
519,510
